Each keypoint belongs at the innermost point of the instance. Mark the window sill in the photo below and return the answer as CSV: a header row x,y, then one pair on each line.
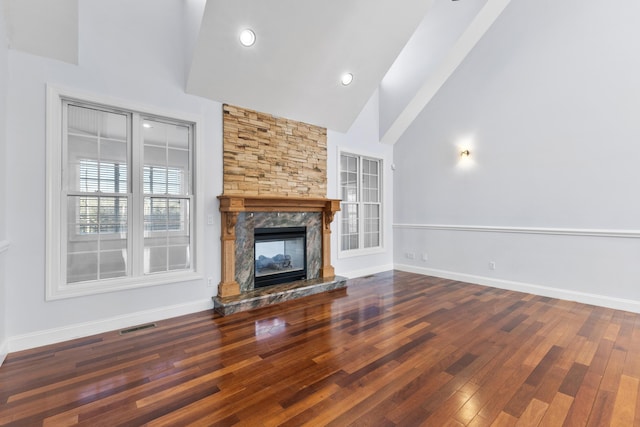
x,y
360,252
112,285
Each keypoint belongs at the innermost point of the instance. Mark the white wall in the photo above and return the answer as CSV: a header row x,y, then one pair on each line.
x,y
137,57
3,163
362,138
548,104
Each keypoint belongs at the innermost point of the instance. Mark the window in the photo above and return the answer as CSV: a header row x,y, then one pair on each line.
x,y
361,207
120,197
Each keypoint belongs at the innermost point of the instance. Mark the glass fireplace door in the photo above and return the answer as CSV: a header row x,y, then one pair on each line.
x,y
280,255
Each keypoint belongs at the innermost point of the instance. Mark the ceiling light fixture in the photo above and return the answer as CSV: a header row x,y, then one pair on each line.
x,y
247,37
346,79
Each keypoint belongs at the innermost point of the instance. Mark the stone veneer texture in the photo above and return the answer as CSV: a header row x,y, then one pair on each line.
x,y
267,155
248,221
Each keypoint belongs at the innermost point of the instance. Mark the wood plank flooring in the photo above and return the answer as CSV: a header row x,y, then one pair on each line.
x,y
395,349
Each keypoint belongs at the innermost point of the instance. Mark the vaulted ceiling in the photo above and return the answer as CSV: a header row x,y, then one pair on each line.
x,y
302,48
406,49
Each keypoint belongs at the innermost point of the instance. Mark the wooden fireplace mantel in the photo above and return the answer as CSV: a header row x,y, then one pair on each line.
x,y
231,205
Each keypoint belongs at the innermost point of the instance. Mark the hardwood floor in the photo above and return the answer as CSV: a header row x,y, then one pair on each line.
x,y
394,349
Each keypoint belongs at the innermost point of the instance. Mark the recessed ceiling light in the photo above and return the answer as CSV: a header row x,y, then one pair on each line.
x,y
247,37
346,79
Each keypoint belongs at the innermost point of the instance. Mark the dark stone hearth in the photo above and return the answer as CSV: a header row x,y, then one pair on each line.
x,y
263,297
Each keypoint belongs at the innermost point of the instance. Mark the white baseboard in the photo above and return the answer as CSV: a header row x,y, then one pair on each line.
x,y
366,271
55,335
582,297
4,350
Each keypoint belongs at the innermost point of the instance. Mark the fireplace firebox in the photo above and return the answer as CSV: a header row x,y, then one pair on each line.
x,y
280,255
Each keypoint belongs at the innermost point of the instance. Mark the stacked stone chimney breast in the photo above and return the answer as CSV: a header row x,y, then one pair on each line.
x,y
268,155
271,166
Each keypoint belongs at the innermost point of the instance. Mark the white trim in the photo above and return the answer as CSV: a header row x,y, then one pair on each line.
x,y
65,333
582,297
360,252
4,350
4,246
64,291
366,271
588,232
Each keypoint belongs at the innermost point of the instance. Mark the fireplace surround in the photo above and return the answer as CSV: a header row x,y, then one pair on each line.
x,y
237,210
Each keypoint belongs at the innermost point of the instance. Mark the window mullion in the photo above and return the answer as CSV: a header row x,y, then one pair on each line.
x,y
361,203
64,200
136,200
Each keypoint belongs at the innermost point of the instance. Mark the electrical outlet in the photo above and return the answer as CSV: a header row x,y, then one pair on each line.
x,y
210,282
210,219
492,265
410,255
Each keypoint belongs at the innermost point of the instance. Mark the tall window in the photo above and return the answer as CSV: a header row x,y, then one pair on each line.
x,y
120,199
361,207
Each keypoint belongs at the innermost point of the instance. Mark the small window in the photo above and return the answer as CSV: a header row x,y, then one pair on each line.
x,y
121,199
361,206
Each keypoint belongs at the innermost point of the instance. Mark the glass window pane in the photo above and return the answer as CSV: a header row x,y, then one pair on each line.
x,y
167,232
353,164
96,238
112,263
349,226
155,257
82,151
164,214
179,257
89,121
166,158
371,226
97,150
82,267
343,162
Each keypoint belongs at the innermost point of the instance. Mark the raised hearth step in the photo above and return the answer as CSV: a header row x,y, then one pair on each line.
x,y
275,294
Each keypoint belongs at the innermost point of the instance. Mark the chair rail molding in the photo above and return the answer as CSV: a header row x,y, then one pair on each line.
x,y
589,232
4,246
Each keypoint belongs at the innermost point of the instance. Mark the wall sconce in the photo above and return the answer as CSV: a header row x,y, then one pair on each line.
x,y
465,153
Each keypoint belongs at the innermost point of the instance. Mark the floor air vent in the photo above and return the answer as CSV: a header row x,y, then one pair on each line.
x,y
137,328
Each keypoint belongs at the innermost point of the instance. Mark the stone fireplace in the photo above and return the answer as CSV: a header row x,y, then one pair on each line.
x,y
242,215
275,176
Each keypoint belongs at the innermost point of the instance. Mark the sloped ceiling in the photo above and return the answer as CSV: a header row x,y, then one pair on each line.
x,y
302,48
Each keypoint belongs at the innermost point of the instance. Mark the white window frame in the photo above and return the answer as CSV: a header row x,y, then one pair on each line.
x,y
361,251
55,280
